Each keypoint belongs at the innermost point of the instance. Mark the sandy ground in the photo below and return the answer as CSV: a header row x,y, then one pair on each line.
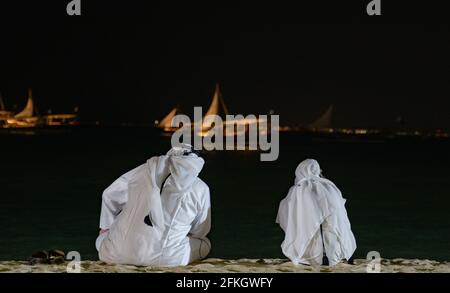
x,y
237,266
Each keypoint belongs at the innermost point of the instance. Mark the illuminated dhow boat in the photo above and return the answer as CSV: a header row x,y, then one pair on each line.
x,y
235,127
214,109
166,123
29,117
204,125
26,118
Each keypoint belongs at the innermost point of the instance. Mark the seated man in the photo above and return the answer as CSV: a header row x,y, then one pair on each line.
x,y
314,218
157,214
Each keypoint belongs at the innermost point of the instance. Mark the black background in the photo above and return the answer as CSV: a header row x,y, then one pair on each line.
x,y
132,61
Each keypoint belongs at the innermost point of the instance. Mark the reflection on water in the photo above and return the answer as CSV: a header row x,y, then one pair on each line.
x,y
51,187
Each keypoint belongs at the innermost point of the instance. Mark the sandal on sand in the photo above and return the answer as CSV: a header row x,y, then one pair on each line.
x,y
56,256
38,257
47,257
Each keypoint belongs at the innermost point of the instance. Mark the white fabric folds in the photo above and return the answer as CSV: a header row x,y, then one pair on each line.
x,y
314,201
150,227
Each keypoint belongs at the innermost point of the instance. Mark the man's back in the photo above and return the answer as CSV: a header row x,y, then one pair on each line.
x,y
147,227
185,216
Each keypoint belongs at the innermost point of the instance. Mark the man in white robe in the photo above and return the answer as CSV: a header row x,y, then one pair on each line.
x,y
314,219
157,214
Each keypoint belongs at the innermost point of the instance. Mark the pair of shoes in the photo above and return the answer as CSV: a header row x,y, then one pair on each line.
x,y
47,257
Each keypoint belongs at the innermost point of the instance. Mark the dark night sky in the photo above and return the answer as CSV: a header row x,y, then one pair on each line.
x,y
127,62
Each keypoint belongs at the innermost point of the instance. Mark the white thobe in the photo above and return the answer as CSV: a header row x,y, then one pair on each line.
x,y
311,203
180,217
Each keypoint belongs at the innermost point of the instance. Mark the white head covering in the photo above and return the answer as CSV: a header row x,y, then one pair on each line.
x,y
309,168
184,167
311,202
181,166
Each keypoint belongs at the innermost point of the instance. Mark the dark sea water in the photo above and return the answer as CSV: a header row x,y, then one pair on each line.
x,y
397,191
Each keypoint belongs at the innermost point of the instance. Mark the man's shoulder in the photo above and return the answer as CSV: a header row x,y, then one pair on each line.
x,y
201,192
199,185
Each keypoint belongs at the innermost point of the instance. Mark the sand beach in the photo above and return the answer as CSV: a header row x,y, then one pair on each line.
x,y
213,265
